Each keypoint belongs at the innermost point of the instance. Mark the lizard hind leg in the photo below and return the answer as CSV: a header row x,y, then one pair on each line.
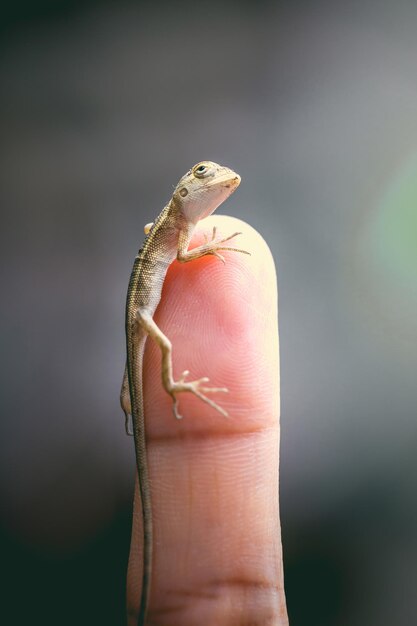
x,y
126,405
196,387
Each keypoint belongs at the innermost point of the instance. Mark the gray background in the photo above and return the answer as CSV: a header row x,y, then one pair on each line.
x,y
103,107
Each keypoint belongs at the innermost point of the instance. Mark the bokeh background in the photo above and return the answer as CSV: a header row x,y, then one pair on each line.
x,y
103,106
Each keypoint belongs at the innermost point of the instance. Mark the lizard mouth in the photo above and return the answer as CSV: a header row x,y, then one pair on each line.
x,y
231,181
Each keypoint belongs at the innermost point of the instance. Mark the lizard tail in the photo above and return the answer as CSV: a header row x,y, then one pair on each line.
x,y
135,367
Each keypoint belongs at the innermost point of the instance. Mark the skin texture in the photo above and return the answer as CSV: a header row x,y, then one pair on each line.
x,y
217,557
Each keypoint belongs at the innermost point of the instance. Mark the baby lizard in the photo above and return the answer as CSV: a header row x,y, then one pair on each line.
x,y
198,193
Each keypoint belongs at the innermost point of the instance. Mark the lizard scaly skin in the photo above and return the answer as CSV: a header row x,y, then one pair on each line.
x,y
199,192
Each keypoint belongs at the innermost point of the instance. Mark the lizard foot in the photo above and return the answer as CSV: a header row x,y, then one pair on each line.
x,y
198,389
129,424
126,406
217,244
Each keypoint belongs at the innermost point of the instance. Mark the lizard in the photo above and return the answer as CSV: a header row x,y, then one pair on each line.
x,y
198,193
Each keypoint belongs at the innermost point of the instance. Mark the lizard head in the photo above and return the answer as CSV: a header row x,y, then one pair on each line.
x,y
201,190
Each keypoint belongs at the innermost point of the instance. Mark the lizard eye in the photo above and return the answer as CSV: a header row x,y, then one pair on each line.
x,y
201,170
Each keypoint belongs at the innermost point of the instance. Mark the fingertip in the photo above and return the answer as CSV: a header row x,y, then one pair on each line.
x,y
222,322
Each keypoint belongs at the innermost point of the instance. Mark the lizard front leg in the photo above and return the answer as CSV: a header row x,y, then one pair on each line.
x,y
197,387
209,247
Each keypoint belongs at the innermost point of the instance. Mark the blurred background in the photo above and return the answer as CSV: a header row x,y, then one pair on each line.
x,y
315,105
